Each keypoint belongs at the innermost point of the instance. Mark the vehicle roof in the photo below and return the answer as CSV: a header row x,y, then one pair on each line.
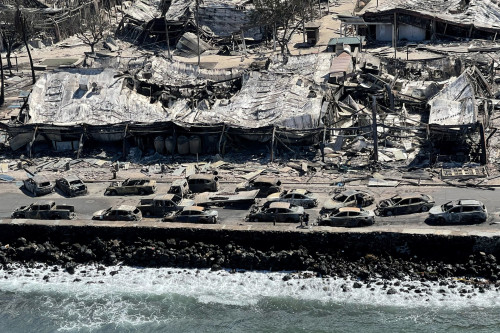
x,y
125,207
350,192
409,195
40,178
179,182
349,209
299,191
167,196
471,202
196,208
71,178
266,179
279,205
201,176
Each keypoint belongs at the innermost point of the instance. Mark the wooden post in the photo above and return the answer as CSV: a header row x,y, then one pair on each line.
x,y
272,144
124,138
80,145
243,41
220,138
32,142
394,35
482,140
168,39
374,128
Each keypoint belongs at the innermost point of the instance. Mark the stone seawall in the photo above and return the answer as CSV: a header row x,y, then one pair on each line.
x,y
359,254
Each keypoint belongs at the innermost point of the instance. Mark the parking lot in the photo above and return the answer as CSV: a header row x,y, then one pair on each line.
x,y
13,196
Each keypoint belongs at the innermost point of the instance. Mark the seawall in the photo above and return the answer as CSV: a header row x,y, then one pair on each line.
x,y
354,252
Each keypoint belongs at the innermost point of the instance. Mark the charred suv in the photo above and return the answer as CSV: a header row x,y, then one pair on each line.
x,y
71,186
132,186
459,212
38,185
45,211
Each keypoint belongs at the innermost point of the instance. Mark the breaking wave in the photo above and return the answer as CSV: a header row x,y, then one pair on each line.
x,y
129,299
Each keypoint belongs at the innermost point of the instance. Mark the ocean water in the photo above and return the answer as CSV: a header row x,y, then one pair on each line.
x,y
126,299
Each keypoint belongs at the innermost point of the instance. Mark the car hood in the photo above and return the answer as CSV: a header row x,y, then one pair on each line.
x,y
332,204
186,203
274,196
436,210
99,212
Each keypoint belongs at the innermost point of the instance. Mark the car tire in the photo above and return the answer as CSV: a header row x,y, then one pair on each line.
x,y
425,209
113,192
441,221
147,214
388,213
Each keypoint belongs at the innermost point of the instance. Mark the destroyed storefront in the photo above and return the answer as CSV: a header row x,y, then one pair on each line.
x,y
170,107
416,20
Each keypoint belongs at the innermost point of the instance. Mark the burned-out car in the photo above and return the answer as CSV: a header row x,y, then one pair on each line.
x,y
299,197
119,213
349,198
38,185
132,186
459,212
347,217
407,204
203,183
71,186
193,214
278,212
162,204
180,187
265,185
45,211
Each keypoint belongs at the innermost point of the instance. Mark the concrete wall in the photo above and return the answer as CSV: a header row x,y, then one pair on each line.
x,y
410,32
384,32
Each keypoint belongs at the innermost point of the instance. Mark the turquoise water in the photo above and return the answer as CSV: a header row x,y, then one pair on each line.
x,y
173,300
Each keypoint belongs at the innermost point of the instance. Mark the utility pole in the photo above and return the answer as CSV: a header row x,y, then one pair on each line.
x,y
2,93
374,128
198,28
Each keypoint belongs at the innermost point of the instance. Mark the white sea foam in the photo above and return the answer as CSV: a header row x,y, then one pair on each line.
x,y
241,289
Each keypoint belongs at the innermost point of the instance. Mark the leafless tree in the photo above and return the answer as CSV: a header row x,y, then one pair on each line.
x,y
285,15
92,30
24,28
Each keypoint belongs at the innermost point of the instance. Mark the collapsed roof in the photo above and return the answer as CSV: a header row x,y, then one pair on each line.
x,y
455,103
90,96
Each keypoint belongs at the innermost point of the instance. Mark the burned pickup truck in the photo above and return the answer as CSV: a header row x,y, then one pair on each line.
x,y
132,186
45,211
163,204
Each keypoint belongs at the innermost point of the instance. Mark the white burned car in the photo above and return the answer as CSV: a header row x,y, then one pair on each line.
x,y
459,212
299,197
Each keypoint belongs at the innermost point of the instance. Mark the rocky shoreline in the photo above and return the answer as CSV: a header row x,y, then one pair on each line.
x,y
479,270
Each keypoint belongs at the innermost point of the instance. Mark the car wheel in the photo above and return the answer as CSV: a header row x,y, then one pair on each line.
x,y
142,192
113,192
425,209
441,221
388,213
147,213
